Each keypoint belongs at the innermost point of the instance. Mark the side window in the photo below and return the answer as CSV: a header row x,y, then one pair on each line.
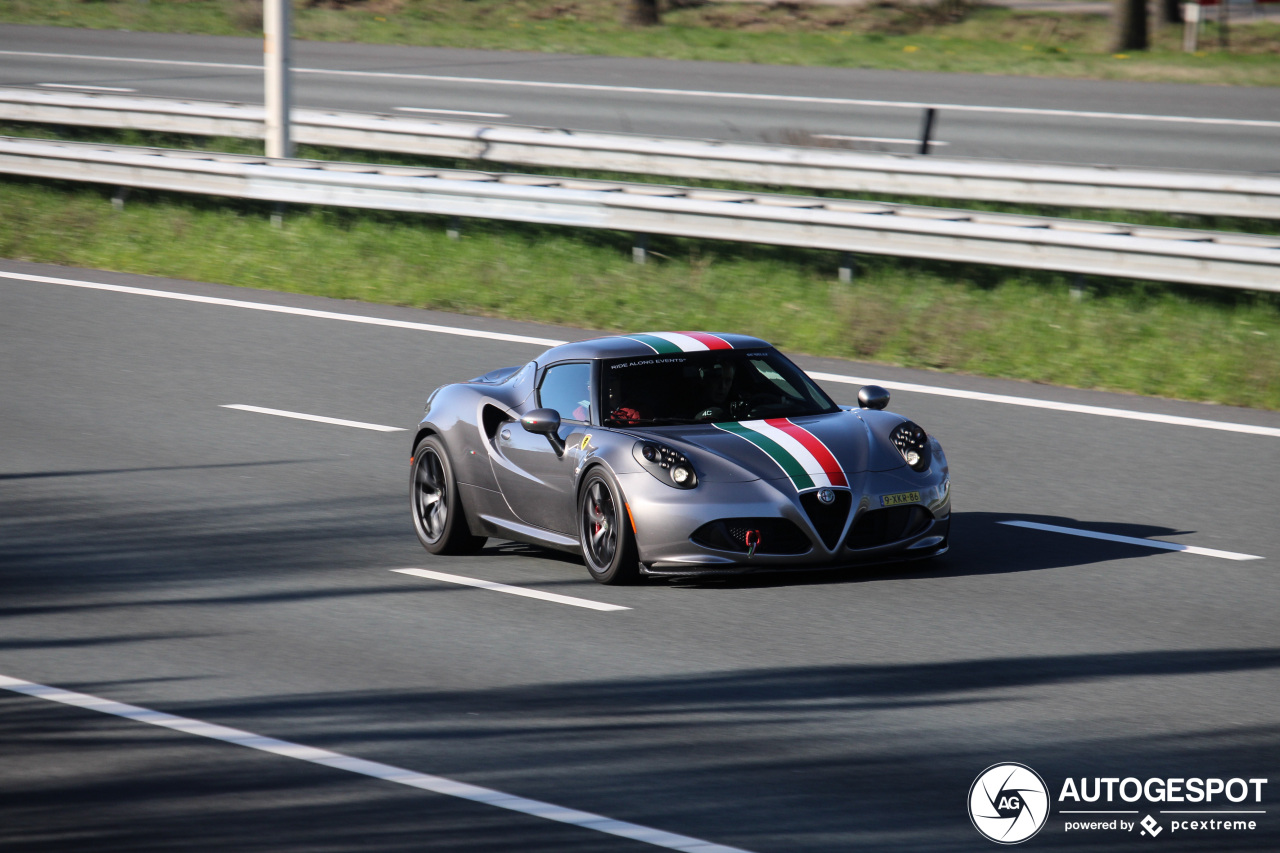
x,y
767,371
567,389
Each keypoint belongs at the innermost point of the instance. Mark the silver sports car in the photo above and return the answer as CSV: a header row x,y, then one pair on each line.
x,y
676,453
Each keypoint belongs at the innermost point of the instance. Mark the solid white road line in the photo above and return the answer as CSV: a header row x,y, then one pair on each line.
x,y
686,93
137,60
284,309
886,139
1175,420
511,590
376,770
451,112
1133,540
280,413
85,88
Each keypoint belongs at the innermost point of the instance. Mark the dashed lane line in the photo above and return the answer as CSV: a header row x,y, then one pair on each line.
x,y
80,87
888,140
511,590
374,769
434,110
1134,540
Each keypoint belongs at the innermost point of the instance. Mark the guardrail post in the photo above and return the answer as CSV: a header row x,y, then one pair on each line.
x,y
117,200
1077,288
277,215
926,129
640,248
848,268
454,229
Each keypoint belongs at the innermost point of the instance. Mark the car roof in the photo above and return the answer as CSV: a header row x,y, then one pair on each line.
x,y
650,343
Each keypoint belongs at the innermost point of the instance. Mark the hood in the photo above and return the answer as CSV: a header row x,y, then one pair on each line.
x,y
811,451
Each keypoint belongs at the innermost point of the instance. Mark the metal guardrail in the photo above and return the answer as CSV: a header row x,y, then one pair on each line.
x,y
1102,187
1100,248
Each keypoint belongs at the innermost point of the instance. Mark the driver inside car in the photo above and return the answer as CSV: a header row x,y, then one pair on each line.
x,y
717,391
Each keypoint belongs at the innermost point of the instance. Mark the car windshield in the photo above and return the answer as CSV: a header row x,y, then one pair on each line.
x,y
707,387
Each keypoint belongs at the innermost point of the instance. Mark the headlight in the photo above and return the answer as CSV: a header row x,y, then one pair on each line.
x,y
667,464
913,443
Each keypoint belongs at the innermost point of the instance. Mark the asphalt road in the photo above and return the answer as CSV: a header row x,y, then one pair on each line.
x,y
235,568
1142,124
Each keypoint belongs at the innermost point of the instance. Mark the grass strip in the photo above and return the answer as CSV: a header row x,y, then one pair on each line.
x,y
1208,344
942,35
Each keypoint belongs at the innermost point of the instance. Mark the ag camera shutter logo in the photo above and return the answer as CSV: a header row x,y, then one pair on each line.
x,y
1008,803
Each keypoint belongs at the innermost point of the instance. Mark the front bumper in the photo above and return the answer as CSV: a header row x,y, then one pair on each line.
x,y
666,519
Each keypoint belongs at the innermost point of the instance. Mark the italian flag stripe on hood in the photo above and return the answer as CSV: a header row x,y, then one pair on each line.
x,y
799,453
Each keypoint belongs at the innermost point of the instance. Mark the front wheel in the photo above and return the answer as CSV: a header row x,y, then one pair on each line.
x,y
608,543
438,518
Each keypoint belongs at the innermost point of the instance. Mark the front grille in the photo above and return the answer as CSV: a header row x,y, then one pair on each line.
x,y
777,535
829,518
882,526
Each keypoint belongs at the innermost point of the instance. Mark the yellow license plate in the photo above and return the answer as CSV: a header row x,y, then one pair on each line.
x,y
900,498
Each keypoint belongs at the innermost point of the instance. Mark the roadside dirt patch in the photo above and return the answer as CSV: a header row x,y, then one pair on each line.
x,y
893,17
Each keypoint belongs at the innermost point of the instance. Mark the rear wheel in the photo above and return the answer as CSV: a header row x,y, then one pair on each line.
x,y
608,543
438,518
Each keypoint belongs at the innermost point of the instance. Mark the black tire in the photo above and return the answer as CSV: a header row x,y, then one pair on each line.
x,y
438,518
604,530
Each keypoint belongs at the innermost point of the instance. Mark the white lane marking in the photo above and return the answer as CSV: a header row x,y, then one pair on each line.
x,y
886,139
1133,540
188,63
284,309
1175,420
511,590
684,93
451,112
85,88
386,772
280,413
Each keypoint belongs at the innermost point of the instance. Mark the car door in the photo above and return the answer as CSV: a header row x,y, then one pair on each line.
x,y
535,476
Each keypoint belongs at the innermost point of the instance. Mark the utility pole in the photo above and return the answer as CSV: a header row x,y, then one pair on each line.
x,y
275,59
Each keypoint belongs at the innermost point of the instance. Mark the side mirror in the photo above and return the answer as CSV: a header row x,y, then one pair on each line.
x,y
872,397
544,422
541,422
